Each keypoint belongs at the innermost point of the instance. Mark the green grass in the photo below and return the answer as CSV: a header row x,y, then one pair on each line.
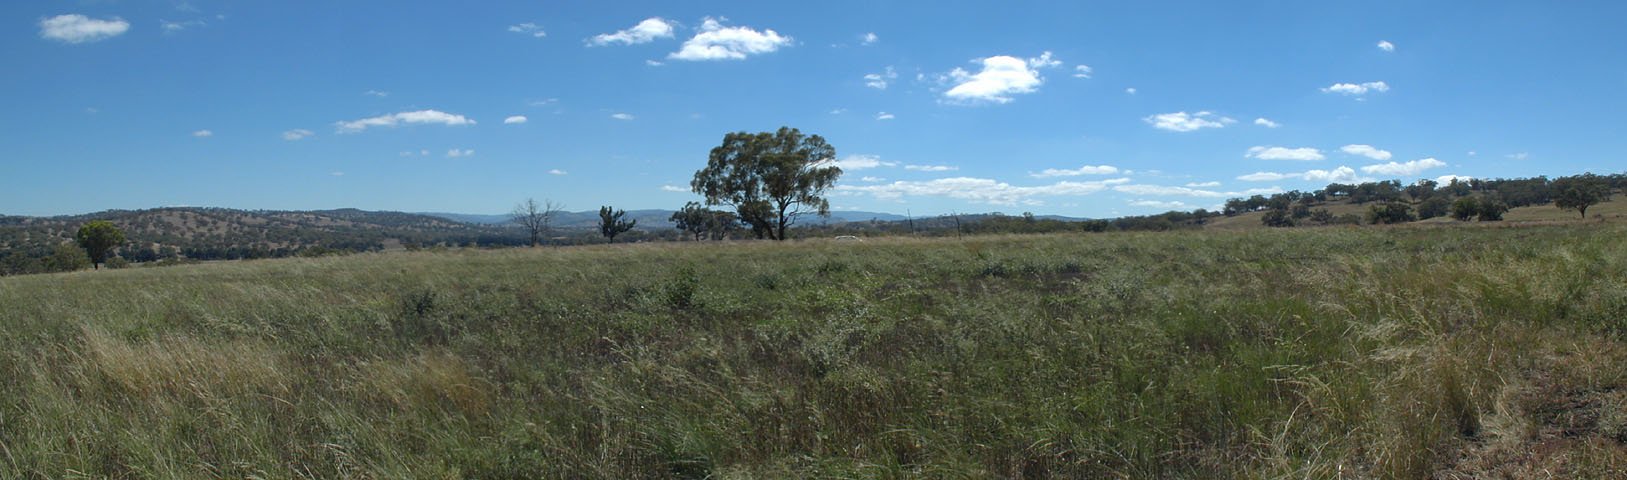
x,y
1306,353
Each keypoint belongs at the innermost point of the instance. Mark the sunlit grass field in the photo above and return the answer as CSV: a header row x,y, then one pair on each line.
x,y
1301,353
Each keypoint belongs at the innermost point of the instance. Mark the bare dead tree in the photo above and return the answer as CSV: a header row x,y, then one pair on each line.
x,y
537,219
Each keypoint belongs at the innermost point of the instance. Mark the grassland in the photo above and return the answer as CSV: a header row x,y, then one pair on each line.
x,y
1307,353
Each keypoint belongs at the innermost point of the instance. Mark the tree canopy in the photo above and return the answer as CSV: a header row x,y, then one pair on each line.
x,y
770,179
98,237
1579,192
612,223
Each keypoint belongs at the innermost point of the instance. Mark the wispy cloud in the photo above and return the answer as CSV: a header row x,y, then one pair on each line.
x,y
459,153
1342,174
76,28
1385,45
674,188
862,162
622,116
411,118
879,80
980,190
297,134
514,119
203,133
884,116
1074,172
931,168
1266,122
528,28
1283,153
868,39
1357,89
1082,71
557,172
1366,151
1184,122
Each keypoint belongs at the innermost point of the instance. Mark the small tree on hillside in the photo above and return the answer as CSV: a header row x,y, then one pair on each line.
x,y
1390,212
1491,210
611,222
693,219
536,218
1465,208
98,237
1579,192
1277,217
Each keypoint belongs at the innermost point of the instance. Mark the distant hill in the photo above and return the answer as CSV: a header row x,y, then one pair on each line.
x,y
654,218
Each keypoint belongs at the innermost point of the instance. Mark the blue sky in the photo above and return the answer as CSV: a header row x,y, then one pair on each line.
x,y
1075,108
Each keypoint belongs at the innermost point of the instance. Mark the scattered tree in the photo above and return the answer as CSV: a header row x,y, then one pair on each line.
x,y
1491,210
98,237
611,222
769,178
1434,206
1579,192
1277,217
537,219
1465,208
1390,212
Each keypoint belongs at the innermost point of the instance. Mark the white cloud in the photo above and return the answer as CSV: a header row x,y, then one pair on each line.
x,y
884,116
337,174
1385,45
1184,122
1082,71
1266,122
879,80
296,134
395,119
529,29
931,168
544,102
376,93
456,153
674,188
1366,151
172,27
1307,154
76,28
203,133
1518,156
1447,179
871,179
1164,190
514,120
1203,184
1170,205
645,32
622,116
982,190
1082,170
717,42
838,111
557,172
1131,90
1342,174
654,63
1403,169
1001,77
868,39
1356,89
862,162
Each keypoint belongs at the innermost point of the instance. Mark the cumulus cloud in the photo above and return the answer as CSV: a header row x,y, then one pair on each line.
x,y
982,190
1283,153
622,116
1184,122
296,134
1366,151
1074,172
514,119
1082,71
1001,77
645,32
869,39
529,29
931,168
1266,122
1447,179
861,162
717,42
884,116
1403,169
1356,89
76,28
410,118
457,153
1342,174
1385,45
